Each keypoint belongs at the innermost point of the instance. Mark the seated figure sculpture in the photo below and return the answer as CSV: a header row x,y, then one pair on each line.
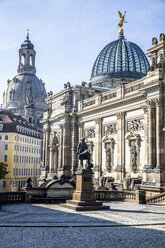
x,y
83,153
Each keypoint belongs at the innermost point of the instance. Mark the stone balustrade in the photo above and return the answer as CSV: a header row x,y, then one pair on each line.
x,y
115,195
156,199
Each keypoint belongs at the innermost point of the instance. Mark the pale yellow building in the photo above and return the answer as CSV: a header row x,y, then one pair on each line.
x,y
22,151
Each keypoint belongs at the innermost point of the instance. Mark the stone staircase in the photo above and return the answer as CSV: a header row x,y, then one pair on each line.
x,y
156,199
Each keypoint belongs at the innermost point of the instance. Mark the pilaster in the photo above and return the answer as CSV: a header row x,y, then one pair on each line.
x,y
120,145
98,148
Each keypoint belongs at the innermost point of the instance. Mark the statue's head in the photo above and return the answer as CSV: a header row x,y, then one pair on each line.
x,y
83,139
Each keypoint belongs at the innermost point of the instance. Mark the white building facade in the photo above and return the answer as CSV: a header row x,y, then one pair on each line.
x,y
120,113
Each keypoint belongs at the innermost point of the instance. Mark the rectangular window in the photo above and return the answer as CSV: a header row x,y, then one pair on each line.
x,y
14,172
29,160
17,147
19,172
31,172
28,172
17,158
6,137
14,158
23,139
20,159
23,148
36,172
6,147
0,137
15,137
5,158
20,148
22,172
32,150
14,147
34,160
18,138
4,184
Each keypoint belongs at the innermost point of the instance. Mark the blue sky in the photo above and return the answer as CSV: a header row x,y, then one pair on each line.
x,y
69,34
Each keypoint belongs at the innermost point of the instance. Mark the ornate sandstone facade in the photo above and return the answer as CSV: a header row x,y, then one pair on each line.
x,y
123,123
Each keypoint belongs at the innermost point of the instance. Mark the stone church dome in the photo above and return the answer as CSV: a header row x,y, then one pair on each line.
x,y
119,60
25,94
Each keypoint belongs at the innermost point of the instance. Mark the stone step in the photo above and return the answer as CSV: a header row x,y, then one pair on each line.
x,y
84,208
84,203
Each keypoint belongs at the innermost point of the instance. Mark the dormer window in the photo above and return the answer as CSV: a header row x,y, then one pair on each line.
x,y
1,127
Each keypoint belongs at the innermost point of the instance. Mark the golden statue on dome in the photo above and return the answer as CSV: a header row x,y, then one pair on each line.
x,y
120,24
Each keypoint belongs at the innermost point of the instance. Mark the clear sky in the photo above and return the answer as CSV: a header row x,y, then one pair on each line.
x,y
69,34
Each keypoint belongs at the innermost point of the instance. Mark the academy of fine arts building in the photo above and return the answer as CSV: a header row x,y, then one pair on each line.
x,y
119,112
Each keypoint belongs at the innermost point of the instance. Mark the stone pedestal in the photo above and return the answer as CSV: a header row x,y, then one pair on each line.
x,y
84,197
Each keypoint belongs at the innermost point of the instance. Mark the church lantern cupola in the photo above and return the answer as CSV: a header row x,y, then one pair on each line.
x,y
26,57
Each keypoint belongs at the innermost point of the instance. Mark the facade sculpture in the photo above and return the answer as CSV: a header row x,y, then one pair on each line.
x,y
83,153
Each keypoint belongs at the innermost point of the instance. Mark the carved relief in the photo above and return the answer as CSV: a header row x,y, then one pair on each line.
x,y
110,129
133,88
109,150
90,133
86,104
109,96
133,151
135,125
134,144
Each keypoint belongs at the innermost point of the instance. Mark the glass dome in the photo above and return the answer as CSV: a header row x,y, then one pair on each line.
x,y
120,59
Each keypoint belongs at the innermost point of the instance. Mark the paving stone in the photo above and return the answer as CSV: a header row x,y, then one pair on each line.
x,y
50,226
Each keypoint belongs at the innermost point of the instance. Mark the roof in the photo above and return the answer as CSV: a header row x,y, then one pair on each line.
x,y
120,59
12,123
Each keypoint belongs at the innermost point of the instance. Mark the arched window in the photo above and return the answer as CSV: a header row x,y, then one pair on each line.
x,y
30,120
23,58
31,59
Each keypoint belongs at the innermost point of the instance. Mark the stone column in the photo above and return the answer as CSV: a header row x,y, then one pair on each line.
x,y
55,159
120,145
146,157
60,157
74,143
43,147
47,150
51,167
98,148
66,145
151,134
81,130
80,136
159,134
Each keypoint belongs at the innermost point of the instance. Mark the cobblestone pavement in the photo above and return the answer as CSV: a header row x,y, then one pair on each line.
x,y
51,226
